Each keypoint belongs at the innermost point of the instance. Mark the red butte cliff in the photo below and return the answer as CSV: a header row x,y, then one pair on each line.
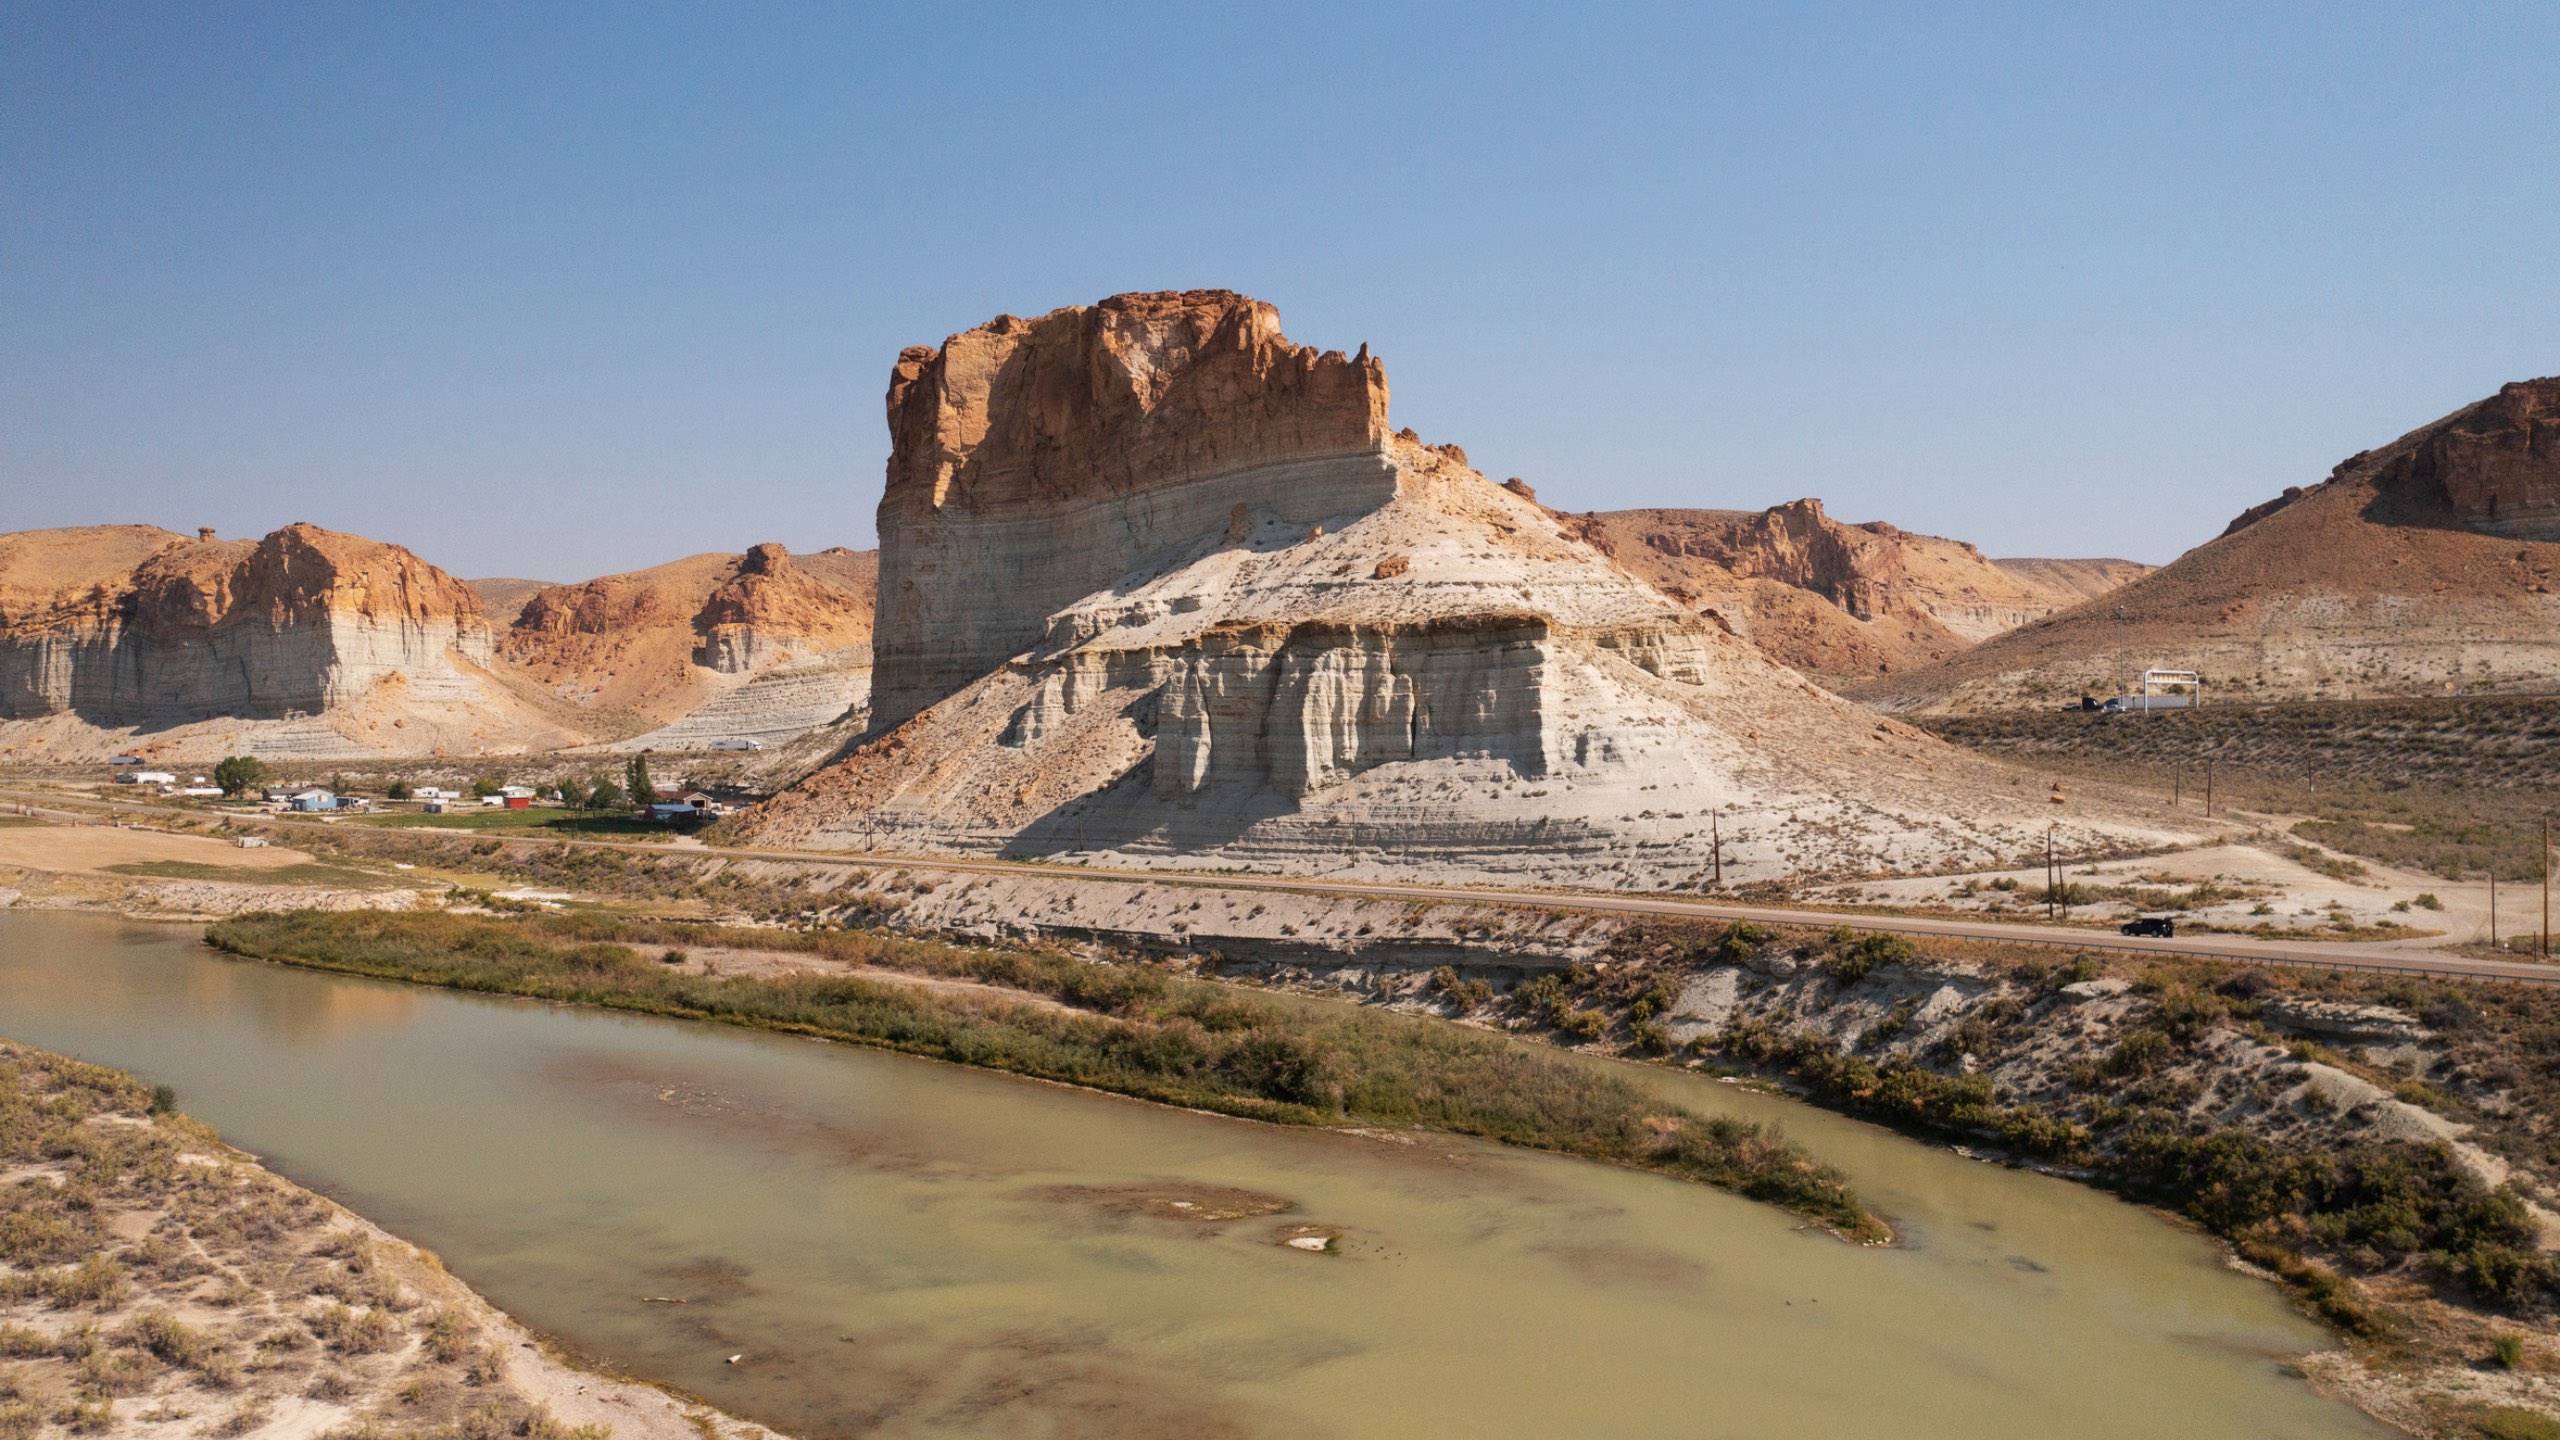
x,y
307,642
1158,584
2422,567
312,644
1843,603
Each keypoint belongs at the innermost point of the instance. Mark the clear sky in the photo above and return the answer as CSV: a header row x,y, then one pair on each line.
x,y
554,290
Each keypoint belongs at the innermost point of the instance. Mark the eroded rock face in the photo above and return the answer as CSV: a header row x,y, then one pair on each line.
x,y
665,643
300,622
770,611
2497,464
1036,461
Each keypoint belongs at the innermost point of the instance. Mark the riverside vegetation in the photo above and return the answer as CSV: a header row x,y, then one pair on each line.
x,y
2382,1145
1134,1029
155,1281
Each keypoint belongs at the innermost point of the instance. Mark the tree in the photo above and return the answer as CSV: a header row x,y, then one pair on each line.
x,y
338,784
399,790
573,796
635,778
484,786
603,794
240,772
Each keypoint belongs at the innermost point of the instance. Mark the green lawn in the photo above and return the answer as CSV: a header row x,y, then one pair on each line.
x,y
540,820
334,876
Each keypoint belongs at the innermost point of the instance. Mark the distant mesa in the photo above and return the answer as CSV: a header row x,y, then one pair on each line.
x,y
1838,601
315,644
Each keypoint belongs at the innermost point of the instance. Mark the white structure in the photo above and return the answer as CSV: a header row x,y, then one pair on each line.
x,y
431,792
737,744
147,777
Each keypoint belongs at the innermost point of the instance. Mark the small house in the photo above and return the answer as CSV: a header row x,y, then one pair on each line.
x,y
311,801
517,802
516,792
147,777
432,792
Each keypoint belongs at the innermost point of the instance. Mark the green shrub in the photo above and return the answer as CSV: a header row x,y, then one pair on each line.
x,y
2505,1422
2507,1351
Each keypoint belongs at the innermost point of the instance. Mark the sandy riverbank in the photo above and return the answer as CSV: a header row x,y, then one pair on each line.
x,y
157,1283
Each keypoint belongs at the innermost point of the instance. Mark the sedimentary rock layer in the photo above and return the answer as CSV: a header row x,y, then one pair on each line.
x,y
1035,461
302,621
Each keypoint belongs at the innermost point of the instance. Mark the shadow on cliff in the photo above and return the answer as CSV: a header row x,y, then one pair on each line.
x,y
1127,812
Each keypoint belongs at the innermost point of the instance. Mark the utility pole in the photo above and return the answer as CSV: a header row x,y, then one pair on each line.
x,y
1715,826
2119,650
2208,789
2546,887
2493,909
2177,785
2052,887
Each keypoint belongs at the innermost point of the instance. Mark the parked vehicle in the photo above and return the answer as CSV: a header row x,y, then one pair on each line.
x,y
2158,926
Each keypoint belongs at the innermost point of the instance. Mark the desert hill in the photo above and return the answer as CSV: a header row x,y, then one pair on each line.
x,y
1159,584
2423,566
734,646
1839,600
502,597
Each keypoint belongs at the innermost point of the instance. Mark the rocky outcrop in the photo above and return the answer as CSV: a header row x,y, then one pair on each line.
x,y
685,638
2496,465
301,622
2426,566
1839,600
1298,639
769,611
1036,461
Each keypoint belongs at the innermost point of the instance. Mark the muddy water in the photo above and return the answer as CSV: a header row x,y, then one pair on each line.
x,y
900,1248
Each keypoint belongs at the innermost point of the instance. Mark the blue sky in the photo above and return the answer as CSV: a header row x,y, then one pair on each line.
x,y
553,290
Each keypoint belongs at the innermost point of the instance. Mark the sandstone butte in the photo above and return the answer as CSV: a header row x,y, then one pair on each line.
x,y
2419,568
314,644
1157,583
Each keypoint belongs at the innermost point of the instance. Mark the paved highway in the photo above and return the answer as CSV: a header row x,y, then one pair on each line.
x,y
2316,954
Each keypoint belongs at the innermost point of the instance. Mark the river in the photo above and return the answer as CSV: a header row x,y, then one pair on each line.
x,y
895,1247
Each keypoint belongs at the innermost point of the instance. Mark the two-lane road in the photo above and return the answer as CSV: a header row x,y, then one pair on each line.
x,y
2331,956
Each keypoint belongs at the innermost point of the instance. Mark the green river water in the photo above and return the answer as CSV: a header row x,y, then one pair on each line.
x,y
902,1248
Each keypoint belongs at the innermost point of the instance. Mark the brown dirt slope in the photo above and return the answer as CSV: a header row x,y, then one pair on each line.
x,y
76,568
644,643
502,597
2385,579
1839,600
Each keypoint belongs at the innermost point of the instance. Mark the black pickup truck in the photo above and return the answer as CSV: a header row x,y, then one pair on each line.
x,y
2156,925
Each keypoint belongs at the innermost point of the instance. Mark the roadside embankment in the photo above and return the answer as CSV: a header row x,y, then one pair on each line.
x,y
155,1282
